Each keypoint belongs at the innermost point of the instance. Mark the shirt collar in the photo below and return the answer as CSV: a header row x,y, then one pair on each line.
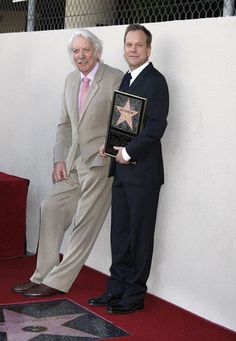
x,y
92,73
137,71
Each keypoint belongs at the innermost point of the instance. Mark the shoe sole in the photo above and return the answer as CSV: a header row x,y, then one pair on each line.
x,y
102,304
126,312
38,295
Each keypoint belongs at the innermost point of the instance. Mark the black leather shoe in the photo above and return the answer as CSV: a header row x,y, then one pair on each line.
x,y
105,299
23,287
122,308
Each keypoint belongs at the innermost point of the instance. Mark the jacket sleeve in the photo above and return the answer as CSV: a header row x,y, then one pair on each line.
x,y
155,120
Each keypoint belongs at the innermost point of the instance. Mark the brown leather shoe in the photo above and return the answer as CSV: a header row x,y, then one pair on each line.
x,y
21,288
42,290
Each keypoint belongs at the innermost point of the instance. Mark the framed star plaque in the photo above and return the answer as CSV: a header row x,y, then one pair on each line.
x,y
126,120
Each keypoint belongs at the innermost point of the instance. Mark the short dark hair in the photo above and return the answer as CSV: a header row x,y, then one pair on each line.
x,y
138,27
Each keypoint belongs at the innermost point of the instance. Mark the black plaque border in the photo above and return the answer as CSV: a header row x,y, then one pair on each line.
x,y
125,135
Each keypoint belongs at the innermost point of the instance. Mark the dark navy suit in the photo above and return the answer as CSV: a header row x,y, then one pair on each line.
x,y
135,192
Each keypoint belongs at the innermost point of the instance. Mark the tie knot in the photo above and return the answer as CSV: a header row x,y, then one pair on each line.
x,y
86,80
128,76
126,82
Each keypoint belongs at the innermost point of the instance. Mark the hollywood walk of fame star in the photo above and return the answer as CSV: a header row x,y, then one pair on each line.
x,y
126,114
23,327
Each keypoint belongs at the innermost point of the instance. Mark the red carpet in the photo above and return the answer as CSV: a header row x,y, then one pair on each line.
x,y
159,321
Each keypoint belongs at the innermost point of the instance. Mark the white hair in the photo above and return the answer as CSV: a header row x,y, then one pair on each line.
x,y
94,40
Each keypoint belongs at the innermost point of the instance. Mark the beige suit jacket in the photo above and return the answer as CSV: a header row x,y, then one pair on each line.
x,y
86,135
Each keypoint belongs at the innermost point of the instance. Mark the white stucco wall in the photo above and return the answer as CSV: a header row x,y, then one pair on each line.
x,y
194,259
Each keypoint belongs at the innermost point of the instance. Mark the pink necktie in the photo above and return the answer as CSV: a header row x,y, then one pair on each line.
x,y
83,92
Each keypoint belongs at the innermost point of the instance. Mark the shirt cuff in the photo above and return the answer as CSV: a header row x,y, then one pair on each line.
x,y
125,155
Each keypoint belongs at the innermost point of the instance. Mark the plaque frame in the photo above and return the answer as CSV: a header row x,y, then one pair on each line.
x,y
125,122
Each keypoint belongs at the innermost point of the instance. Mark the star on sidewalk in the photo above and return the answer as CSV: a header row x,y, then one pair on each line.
x,y
126,114
23,327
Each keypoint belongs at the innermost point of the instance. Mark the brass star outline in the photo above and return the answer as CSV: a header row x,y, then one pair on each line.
x,y
126,114
54,325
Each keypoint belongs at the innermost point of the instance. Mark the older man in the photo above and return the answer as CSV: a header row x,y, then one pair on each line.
x,y
81,190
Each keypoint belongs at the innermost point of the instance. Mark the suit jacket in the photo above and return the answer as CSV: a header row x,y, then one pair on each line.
x,y
86,135
145,149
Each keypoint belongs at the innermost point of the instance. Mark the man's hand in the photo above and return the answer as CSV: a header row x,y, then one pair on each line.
x,y
102,152
119,157
59,172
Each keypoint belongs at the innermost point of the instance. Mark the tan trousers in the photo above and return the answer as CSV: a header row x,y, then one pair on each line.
x,y
83,200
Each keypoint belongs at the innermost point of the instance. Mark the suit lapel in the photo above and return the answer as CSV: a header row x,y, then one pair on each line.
x,y
140,77
93,89
75,86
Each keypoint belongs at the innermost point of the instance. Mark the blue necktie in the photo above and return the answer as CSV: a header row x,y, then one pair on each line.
x,y
125,82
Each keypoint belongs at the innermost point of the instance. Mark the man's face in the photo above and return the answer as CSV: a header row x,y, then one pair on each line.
x,y
83,55
136,52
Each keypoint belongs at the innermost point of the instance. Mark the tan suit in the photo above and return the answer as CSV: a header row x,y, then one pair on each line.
x,y
84,198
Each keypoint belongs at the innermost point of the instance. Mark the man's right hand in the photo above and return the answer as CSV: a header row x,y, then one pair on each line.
x,y
102,152
59,172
